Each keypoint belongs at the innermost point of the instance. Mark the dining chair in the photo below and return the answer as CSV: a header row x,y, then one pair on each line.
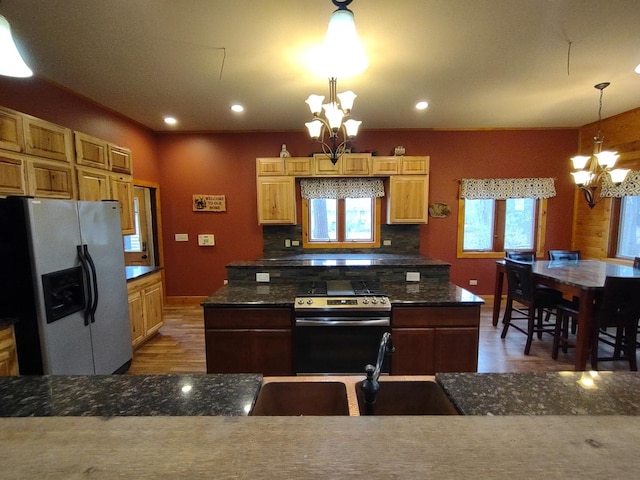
x,y
526,302
618,308
564,254
528,256
636,262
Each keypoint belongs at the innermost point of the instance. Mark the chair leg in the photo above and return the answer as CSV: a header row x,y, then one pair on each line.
x,y
507,318
531,324
630,347
594,349
556,337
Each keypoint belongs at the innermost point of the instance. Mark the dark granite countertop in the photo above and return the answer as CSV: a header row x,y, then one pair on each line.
x,y
134,272
544,393
128,395
283,294
340,260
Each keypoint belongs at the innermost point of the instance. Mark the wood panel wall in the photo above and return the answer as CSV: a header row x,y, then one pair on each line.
x,y
592,231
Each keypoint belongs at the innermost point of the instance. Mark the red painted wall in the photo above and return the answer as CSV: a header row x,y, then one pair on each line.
x,y
224,164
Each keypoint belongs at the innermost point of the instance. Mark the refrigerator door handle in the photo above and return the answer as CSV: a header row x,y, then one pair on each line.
x,y
94,280
87,278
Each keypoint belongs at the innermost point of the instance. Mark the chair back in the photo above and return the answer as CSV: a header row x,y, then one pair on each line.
x,y
636,262
619,305
528,256
520,281
564,254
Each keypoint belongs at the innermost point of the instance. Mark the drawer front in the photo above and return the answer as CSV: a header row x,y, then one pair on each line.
x,y
247,317
435,316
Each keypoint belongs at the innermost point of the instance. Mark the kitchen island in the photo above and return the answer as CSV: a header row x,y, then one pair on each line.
x,y
580,445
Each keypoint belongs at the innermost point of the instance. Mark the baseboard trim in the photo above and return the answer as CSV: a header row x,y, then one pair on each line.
x,y
176,300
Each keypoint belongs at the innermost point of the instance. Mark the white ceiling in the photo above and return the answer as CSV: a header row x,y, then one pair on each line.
x,y
479,63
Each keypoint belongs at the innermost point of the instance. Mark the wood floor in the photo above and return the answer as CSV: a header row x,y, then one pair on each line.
x,y
179,348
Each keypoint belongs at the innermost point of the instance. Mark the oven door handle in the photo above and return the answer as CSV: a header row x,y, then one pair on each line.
x,y
342,322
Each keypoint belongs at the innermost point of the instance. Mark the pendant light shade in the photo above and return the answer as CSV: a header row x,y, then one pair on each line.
x,y
11,62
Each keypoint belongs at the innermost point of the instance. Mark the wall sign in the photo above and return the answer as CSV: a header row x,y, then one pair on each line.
x,y
209,203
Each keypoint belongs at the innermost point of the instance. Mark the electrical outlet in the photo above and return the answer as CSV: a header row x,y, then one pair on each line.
x,y
206,240
413,276
473,282
182,237
386,243
295,243
287,243
262,277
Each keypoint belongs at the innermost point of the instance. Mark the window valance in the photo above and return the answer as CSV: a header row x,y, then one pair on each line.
x,y
341,187
630,186
503,188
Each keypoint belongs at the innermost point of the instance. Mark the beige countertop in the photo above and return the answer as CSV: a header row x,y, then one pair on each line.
x,y
433,447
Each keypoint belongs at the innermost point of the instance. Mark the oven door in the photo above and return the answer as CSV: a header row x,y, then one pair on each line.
x,y
338,345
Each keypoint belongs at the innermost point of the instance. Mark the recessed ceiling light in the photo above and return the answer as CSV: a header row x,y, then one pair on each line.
x,y
422,105
170,120
237,108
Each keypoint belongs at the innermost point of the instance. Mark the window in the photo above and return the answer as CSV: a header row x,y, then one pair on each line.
x,y
341,223
489,227
132,243
629,228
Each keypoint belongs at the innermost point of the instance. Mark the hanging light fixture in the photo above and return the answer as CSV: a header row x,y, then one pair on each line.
x,y
592,169
341,37
11,62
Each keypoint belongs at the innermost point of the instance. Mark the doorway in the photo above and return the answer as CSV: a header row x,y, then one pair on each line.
x,y
141,248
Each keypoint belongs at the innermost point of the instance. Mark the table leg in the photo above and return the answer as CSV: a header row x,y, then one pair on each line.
x,y
497,294
583,337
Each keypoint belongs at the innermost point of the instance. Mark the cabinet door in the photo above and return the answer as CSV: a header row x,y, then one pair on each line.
x,y
119,159
91,151
122,190
323,166
385,165
276,200
414,165
355,165
93,185
298,166
270,166
456,350
414,354
408,196
152,301
271,352
228,351
48,140
11,133
13,175
136,316
50,179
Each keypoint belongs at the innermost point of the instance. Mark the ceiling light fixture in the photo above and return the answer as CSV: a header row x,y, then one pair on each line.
x,y
237,108
592,168
11,62
422,105
341,37
170,120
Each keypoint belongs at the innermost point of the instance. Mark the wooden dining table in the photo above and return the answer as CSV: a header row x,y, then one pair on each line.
x,y
583,279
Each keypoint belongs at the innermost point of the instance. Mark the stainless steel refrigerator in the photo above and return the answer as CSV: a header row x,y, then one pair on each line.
x,y
62,278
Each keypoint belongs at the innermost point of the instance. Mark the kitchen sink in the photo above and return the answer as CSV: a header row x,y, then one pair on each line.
x,y
408,398
302,398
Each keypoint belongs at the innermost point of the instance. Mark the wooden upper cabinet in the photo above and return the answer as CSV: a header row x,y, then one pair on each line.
x,y
348,165
323,166
384,166
49,179
11,132
276,200
270,166
93,184
13,174
119,159
408,197
414,165
46,139
121,188
298,166
91,151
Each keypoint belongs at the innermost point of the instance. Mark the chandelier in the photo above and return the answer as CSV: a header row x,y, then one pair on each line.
x,y
592,169
332,118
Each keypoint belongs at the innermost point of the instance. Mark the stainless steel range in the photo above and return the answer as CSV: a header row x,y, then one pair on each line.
x,y
339,324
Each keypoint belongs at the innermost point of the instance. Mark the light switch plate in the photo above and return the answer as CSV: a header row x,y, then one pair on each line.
x,y
262,277
413,276
182,237
206,240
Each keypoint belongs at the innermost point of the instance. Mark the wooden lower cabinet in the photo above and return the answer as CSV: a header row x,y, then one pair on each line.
x,y
249,340
431,340
8,355
145,307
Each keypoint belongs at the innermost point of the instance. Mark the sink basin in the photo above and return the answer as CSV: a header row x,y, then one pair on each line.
x,y
408,398
302,398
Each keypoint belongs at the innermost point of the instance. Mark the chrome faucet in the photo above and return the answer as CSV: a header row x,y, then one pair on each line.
x,y
370,385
